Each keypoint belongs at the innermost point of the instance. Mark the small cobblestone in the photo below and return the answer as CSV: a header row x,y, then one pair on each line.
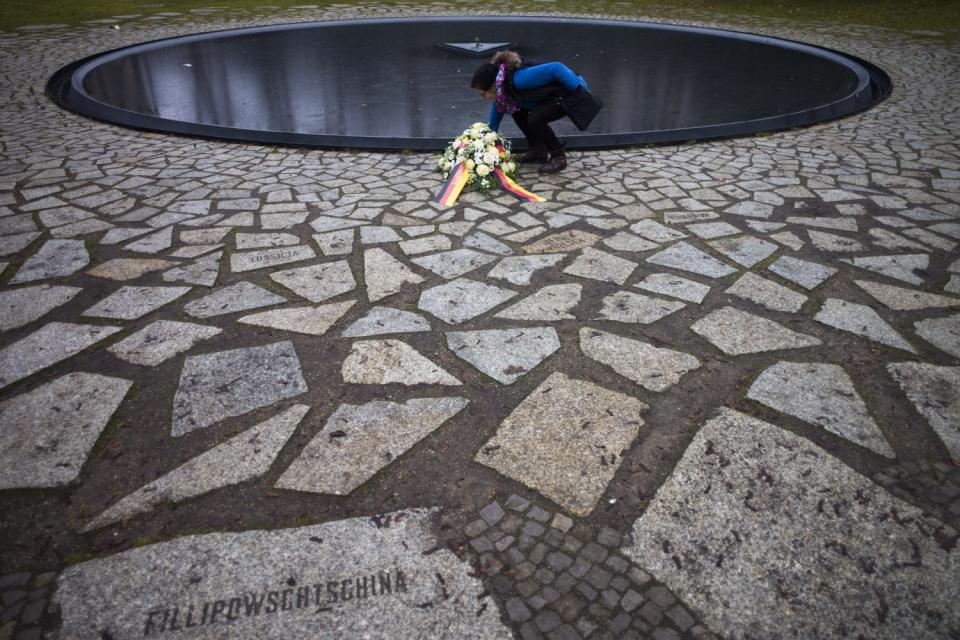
x,y
516,503
598,577
681,617
561,522
538,514
630,600
475,528
517,610
492,513
547,620
609,537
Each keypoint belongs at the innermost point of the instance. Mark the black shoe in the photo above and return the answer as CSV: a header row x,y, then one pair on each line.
x,y
532,156
558,162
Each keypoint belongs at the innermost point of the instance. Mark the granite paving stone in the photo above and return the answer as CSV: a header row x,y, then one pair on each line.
x,y
130,303
47,433
674,286
767,293
46,346
203,272
318,282
314,321
207,568
505,354
265,258
943,333
602,266
686,257
19,307
862,321
635,308
737,332
383,320
359,440
781,537
563,242
653,368
245,456
226,384
241,296
55,259
744,250
550,304
808,275
935,392
462,299
451,264
901,299
565,440
519,270
821,394
129,268
160,341
391,361
901,266
385,275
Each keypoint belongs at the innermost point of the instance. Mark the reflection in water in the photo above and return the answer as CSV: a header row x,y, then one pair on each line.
x,y
392,80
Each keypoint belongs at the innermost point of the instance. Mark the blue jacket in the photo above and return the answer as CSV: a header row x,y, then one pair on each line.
x,y
527,78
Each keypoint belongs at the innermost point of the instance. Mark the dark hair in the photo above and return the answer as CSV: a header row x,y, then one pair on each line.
x,y
486,74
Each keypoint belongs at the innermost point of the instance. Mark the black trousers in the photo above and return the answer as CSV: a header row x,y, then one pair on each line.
x,y
535,125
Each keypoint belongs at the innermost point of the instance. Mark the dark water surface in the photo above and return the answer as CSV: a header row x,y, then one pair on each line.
x,y
388,83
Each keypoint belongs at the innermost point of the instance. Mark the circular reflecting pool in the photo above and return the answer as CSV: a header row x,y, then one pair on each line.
x,y
404,83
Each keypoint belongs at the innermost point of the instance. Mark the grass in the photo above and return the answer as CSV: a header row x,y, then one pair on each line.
x,y
902,15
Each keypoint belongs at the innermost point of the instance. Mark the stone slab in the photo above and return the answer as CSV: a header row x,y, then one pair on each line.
x,y
757,526
935,392
737,332
383,320
600,265
47,433
243,457
675,287
203,272
505,354
744,250
861,320
943,333
562,242
161,341
313,321
549,304
900,267
130,303
237,297
767,293
55,259
129,268
384,275
46,346
391,362
901,299
519,270
808,275
686,257
380,577
626,306
462,299
451,264
821,394
224,384
318,282
566,440
251,260
22,306
359,440
650,367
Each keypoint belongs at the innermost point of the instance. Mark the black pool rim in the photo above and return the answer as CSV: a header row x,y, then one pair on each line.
x,y
63,89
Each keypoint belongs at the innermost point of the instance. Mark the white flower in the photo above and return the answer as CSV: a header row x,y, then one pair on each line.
x,y
483,170
470,165
491,158
490,137
511,166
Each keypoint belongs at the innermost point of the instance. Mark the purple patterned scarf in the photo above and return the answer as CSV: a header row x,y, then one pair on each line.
x,y
504,103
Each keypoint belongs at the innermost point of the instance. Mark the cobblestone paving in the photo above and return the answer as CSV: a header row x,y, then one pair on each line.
x,y
264,338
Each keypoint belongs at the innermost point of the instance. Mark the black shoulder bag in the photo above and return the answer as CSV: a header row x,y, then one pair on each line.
x,y
581,107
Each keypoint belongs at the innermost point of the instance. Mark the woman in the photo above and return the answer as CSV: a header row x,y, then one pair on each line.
x,y
530,95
